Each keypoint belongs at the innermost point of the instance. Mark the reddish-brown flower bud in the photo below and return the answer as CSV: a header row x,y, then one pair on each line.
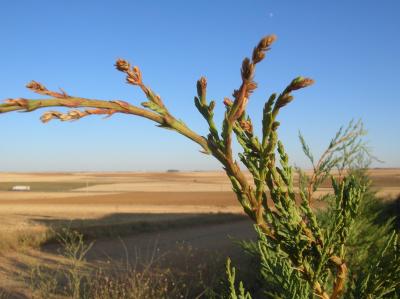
x,y
76,114
46,117
300,82
228,102
134,76
65,117
262,47
49,115
283,100
267,41
203,82
36,86
201,86
246,126
136,70
122,65
247,69
251,86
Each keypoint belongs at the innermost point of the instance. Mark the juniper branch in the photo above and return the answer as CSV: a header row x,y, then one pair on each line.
x,y
107,108
271,201
341,152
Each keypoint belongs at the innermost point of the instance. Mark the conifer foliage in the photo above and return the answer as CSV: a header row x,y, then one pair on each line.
x,y
298,257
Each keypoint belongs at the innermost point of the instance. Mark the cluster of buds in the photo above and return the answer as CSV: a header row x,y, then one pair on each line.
x,y
49,115
133,74
202,89
242,94
298,83
286,97
41,89
262,47
247,70
73,114
248,85
201,86
247,126
36,87
134,77
228,102
283,100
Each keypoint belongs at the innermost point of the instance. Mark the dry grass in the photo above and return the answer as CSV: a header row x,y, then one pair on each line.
x,y
44,230
67,274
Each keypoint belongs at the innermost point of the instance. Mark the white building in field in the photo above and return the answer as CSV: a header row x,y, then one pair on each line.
x,y
21,188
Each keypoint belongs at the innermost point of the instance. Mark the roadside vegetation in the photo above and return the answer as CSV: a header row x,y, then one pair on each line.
x,y
46,231
152,276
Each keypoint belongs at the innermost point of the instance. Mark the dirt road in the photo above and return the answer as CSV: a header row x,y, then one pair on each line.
x,y
212,238
207,241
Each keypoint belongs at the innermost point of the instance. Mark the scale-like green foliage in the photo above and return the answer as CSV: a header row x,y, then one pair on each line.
x,y
299,258
382,278
235,292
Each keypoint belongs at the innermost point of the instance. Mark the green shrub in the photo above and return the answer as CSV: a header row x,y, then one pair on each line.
x,y
372,255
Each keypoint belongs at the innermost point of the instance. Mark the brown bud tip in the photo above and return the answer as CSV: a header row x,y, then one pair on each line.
x,y
46,117
134,76
136,69
247,69
76,114
283,100
251,86
49,115
201,86
300,82
228,102
122,65
203,82
246,126
262,47
267,41
36,86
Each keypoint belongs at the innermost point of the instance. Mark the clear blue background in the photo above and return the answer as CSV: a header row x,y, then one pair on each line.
x,y
350,48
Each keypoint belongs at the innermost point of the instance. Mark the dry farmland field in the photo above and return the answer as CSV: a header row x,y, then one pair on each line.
x,y
129,216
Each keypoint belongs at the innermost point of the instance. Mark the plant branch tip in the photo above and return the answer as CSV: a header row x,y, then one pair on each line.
x,y
300,82
262,47
36,86
133,74
122,65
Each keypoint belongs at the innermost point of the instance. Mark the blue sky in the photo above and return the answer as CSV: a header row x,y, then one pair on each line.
x,y
350,48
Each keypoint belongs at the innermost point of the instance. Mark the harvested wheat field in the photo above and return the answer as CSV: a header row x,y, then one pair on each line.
x,y
98,199
135,216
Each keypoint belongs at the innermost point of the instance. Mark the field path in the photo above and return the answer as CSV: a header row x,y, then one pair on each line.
x,y
215,237
199,240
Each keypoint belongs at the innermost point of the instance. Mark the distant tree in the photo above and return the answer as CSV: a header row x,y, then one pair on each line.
x,y
173,170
